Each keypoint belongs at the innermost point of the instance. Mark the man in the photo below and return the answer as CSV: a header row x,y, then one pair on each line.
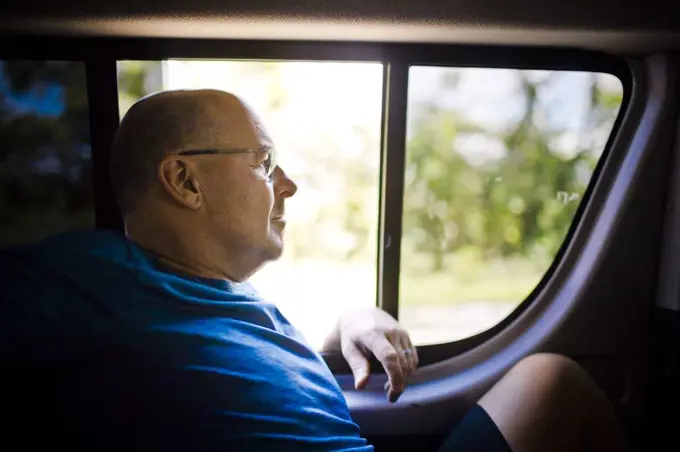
x,y
154,340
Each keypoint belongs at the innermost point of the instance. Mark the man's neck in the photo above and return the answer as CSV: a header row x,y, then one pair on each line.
x,y
178,267
197,254
191,259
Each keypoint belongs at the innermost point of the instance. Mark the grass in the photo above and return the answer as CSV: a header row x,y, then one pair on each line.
x,y
442,289
466,277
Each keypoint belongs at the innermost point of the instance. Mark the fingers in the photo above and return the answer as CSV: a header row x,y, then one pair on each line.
x,y
393,362
410,354
357,362
393,393
403,364
409,363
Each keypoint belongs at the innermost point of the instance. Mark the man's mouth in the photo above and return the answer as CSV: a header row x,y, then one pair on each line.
x,y
277,213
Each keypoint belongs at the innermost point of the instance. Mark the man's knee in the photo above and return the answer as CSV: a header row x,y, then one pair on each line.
x,y
538,398
552,373
548,402
550,364
544,382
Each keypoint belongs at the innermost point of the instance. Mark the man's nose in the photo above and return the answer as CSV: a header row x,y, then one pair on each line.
x,y
284,186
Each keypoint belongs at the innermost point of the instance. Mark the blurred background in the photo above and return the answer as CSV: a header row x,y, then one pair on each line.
x,y
497,163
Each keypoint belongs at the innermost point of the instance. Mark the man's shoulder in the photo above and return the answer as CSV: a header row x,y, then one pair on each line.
x,y
77,241
53,293
70,250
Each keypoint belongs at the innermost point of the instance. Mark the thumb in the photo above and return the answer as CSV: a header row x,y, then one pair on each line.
x,y
358,363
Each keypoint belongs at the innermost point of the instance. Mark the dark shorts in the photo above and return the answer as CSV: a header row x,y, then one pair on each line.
x,y
476,432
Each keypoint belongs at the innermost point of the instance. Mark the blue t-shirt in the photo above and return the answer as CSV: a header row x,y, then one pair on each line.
x,y
107,350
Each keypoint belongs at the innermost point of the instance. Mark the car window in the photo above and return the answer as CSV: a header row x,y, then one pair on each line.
x,y
497,163
45,158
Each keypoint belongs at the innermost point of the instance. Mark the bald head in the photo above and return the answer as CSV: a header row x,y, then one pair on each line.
x,y
172,121
216,214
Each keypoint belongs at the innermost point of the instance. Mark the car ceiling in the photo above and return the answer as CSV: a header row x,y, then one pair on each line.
x,y
617,26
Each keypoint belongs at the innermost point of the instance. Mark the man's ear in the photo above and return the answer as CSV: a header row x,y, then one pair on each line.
x,y
179,179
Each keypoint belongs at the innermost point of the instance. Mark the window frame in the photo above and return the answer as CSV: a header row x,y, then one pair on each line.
x,y
102,54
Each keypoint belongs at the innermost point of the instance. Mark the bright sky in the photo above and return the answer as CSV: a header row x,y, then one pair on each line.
x,y
489,97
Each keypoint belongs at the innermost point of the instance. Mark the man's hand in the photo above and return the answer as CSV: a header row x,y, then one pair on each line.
x,y
373,331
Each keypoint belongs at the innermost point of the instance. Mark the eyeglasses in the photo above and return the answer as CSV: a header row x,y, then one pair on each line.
x,y
268,162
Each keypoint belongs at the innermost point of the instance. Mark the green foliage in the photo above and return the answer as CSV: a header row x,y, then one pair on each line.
x,y
137,79
519,204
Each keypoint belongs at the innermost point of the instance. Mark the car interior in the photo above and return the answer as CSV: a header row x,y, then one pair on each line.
x,y
500,175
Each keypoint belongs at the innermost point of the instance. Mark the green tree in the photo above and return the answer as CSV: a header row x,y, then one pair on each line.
x,y
510,205
439,182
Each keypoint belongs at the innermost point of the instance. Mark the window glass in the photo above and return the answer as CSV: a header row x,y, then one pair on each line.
x,y
497,163
325,120
45,164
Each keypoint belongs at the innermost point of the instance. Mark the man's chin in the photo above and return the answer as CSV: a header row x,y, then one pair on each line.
x,y
276,254
274,250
